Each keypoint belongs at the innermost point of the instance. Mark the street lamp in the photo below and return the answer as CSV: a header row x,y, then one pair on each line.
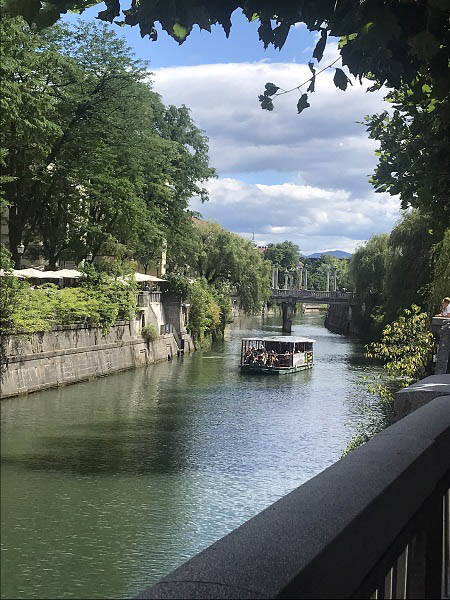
x,y
20,251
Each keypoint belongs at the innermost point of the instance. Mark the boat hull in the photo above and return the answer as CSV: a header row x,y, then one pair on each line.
x,y
263,370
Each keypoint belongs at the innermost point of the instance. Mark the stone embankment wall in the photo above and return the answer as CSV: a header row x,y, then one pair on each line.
x,y
75,353
72,353
339,319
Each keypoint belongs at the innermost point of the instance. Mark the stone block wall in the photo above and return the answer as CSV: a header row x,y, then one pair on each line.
x,y
339,319
75,353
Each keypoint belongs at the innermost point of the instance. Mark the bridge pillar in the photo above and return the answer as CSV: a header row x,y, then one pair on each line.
x,y
306,278
335,279
274,277
328,280
300,271
288,311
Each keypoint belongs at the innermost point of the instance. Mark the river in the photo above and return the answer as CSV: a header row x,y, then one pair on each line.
x,y
109,484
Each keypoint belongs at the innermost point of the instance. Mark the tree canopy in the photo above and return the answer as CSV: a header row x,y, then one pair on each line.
x,y
395,43
285,255
93,160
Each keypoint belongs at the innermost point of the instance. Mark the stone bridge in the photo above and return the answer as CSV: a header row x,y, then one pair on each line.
x,y
287,299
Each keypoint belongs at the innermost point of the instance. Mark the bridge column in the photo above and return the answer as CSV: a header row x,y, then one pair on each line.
x,y
274,281
288,310
306,278
286,283
328,280
300,272
335,279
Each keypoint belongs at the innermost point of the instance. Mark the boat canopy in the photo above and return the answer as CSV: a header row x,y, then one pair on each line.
x,y
287,339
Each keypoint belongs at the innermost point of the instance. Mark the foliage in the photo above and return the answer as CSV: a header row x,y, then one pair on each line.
x,y
413,157
93,161
101,300
408,262
178,283
405,346
405,349
204,314
319,267
367,270
402,45
440,285
393,43
285,255
149,333
9,290
222,257
34,310
377,414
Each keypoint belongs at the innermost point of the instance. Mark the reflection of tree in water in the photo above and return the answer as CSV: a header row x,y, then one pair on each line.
x,y
139,422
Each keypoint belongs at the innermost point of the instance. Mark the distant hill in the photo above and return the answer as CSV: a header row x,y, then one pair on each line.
x,y
336,253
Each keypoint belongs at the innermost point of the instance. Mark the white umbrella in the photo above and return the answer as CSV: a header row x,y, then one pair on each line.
x,y
145,277
30,273
69,273
14,272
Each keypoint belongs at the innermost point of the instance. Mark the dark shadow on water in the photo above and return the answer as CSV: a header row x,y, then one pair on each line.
x,y
135,450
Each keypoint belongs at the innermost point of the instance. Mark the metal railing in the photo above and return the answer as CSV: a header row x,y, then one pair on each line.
x,y
373,525
320,295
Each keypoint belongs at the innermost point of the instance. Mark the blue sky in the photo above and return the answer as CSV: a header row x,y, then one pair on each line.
x,y
281,175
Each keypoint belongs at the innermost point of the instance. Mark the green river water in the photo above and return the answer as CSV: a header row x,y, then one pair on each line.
x,y
109,484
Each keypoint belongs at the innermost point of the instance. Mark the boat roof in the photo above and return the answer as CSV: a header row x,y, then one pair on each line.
x,y
281,338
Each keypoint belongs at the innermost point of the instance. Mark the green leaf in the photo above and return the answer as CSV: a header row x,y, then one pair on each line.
x,y
271,89
180,32
320,46
341,80
28,9
425,45
302,103
280,34
266,102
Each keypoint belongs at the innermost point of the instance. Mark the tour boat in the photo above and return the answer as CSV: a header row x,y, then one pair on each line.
x,y
276,355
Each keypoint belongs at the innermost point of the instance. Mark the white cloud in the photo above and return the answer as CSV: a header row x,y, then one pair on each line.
x,y
314,218
323,155
324,143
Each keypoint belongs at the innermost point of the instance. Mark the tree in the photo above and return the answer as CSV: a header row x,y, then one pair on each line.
x,y
225,259
414,160
102,166
405,346
440,284
286,255
318,269
408,263
368,269
395,43
28,121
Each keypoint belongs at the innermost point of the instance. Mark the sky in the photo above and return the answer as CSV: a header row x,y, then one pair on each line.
x,y
281,176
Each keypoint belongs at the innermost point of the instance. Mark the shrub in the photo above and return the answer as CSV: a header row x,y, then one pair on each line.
x,y
205,315
149,333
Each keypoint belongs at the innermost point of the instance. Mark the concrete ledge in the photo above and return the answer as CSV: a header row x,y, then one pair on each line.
x,y
420,393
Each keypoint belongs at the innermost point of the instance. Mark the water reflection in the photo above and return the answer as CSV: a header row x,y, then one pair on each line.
x,y
109,484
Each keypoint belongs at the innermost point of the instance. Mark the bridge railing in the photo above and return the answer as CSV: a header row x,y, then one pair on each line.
x,y
373,525
313,294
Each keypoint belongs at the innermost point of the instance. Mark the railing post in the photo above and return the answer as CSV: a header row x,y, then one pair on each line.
x,y
434,549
